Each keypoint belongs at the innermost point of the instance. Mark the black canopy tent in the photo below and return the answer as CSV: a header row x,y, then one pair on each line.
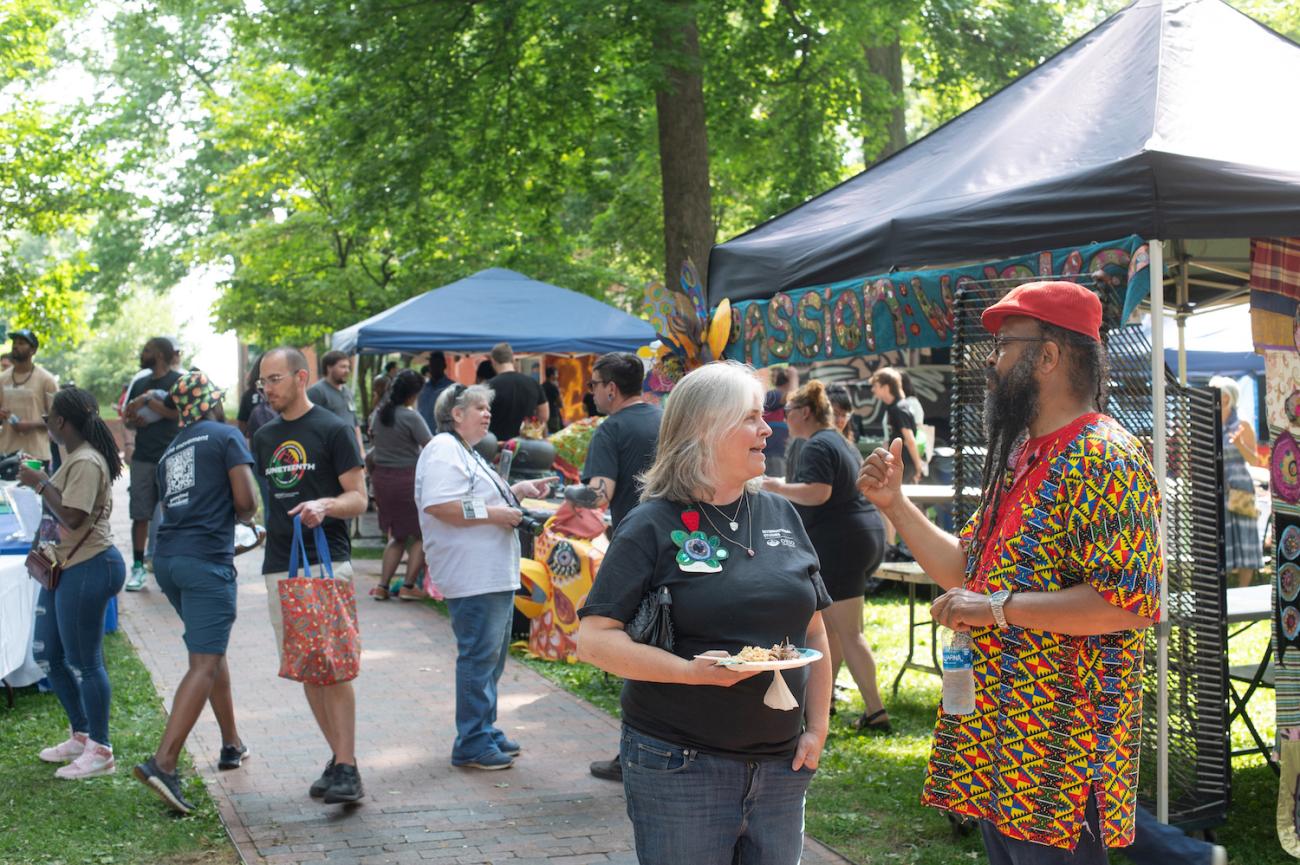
x,y
1169,120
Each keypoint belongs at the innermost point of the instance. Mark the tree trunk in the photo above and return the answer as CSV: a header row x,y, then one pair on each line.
x,y
886,61
683,147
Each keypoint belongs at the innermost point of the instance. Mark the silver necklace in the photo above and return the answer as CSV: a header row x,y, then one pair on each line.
x,y
733,521
748,548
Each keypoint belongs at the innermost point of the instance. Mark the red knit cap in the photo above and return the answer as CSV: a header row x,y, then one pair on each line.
x,y
1064,304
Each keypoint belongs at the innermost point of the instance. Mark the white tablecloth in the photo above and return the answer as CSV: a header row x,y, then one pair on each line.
x,y
17,616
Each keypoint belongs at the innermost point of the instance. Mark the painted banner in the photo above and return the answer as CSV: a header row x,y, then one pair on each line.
x,y
903,310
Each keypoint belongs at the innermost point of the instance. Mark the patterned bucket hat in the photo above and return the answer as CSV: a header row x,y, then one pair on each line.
x,y
194,395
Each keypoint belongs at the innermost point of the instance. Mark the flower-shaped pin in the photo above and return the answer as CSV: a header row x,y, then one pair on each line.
x,y
697,553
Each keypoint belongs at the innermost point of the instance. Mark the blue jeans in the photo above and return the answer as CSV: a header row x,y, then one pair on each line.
x,y
482,627
70,634
1156,843
689,807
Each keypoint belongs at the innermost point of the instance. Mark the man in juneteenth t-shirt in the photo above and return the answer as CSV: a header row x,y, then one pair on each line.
x,y
313,470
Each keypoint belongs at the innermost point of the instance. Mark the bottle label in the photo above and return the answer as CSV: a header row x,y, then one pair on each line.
x,y
958,659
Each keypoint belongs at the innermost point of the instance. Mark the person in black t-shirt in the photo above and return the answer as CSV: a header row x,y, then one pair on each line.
x,y
151,413
621,449
309,458
710,770
554,400
846,530
515,396
887,386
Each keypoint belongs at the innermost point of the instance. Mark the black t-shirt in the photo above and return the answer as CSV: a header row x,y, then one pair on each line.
x,y
750,602
515,398
829,458
301,460
623,447
898,419
552,392
152,440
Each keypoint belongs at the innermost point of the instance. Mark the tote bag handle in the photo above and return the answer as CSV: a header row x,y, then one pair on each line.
x,y
298,552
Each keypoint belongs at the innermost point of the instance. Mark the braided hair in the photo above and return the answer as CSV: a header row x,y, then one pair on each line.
x,y
79,408
406,385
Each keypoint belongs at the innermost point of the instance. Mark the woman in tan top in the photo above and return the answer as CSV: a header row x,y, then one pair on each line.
x,y
70,620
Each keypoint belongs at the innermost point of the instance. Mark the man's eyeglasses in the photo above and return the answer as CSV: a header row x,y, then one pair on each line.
x,y
273,379
1000,343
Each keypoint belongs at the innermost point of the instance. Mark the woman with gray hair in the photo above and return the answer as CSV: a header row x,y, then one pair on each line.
x,y
1242,547
468,516
711,773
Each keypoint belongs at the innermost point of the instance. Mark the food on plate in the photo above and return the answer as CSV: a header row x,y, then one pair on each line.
x,y
783,651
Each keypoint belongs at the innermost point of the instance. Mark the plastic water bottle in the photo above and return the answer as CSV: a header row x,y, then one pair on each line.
x,y
958,673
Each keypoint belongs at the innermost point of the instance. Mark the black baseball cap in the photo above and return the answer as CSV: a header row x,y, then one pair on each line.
x,y
26,334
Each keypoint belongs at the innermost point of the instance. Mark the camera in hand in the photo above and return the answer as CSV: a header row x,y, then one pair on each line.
x,y
532,522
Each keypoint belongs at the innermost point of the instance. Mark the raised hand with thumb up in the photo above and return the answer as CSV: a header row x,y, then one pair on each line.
x,y
881,476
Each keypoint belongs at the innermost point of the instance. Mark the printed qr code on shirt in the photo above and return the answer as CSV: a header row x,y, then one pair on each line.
x,y
180,471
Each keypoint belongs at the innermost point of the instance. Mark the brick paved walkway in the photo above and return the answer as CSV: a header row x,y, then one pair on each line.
x,y
547,809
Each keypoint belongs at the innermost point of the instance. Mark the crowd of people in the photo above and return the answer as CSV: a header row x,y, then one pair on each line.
x,y
712,772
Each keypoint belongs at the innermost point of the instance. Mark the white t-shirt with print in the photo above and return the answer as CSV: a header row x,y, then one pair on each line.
x,y
463,561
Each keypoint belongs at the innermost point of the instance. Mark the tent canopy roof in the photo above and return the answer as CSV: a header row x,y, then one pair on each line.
x,y
498,305
1168,120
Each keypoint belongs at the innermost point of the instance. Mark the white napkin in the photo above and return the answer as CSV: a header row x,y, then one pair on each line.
x,y
778,694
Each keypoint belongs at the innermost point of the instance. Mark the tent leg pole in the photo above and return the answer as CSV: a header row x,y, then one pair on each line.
x,y
1159,430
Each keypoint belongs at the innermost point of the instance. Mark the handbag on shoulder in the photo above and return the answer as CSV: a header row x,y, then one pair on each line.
x,y
1242,503
653,623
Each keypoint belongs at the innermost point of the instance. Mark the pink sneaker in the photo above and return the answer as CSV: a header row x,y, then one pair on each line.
x,y
97,759
65,752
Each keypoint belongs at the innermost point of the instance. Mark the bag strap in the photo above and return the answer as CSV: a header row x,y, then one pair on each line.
x,y
108,497
298,552
323,554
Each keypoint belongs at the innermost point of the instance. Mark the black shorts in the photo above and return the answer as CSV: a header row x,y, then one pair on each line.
x,y
849,554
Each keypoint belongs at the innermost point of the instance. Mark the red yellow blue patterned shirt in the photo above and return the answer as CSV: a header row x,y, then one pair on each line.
x,y
1058,716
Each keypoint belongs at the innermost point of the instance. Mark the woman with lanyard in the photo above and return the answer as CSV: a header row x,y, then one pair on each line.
x,y
468,517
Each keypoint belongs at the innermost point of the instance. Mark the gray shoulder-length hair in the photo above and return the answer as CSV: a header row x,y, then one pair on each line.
x,y
458,396
1228,386
702,409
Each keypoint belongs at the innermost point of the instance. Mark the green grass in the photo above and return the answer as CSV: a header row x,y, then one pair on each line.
x,y
864,801
111,820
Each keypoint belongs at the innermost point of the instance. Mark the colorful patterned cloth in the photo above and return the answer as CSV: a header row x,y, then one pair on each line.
x,y
1058,716
1274,292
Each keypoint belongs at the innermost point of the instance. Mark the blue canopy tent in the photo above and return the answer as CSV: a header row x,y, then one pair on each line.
x,y
497,305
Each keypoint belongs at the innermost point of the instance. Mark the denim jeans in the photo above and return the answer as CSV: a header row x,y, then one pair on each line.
x,y
69,636
1156,843
482,627
1090,850
689,807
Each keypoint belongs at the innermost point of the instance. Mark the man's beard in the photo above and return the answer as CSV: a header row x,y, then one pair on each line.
x,y
146,362
19,356
1010,405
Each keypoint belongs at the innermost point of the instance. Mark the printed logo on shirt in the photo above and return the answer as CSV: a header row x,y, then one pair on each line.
x,y
288,465
778,537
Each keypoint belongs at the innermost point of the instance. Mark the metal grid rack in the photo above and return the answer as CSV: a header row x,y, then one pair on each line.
x,y
1199,767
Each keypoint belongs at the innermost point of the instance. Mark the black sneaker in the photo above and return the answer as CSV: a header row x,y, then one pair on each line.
x,y
232,756
167,785
345,786
321,784
608,770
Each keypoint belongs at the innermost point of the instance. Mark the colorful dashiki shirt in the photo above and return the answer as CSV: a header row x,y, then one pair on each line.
x,y
1058,716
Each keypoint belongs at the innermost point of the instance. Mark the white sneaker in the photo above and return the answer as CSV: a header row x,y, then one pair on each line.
x,y
1218,856
65,752
97,759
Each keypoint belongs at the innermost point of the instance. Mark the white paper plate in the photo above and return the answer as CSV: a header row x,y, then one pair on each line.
x,y
806,657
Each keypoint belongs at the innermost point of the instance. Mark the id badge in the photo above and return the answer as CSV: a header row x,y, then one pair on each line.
x,y
474,508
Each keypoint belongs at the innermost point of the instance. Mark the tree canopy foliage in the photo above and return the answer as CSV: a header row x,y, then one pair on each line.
x,y
337,157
